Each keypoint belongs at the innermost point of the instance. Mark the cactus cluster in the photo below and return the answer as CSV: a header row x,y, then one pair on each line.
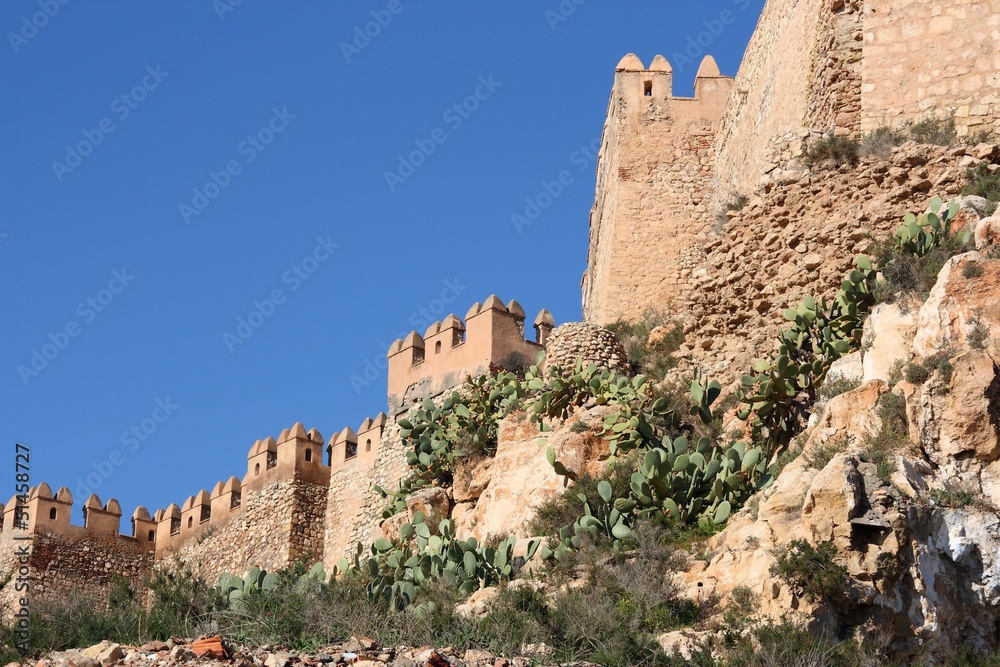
x,y
781,390
398,567
918,236
234,592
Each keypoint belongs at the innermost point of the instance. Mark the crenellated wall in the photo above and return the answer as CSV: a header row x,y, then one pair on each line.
x,y
62,557
450,350
654,174
300,498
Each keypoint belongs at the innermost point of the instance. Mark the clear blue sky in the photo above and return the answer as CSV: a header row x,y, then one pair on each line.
x,y
165,165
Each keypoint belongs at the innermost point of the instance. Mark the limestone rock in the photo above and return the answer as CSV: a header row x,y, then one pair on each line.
x,y
963,419
945,318
988,232
521,478
833,499
848,418
848,367
888,337
479,603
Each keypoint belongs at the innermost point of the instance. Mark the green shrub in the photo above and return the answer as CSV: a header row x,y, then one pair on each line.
x,y
653,359
839,150
892,436
837,386
931,130
971,270
983,183
881,141
812,571
978,334
915,373
563,510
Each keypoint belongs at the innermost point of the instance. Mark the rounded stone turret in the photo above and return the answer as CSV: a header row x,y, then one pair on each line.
x,y
580,340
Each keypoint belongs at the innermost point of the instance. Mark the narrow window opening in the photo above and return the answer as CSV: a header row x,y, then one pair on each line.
x,y
437,347
309,455
368,443
52,513
647,88
151,537
256,470
190,522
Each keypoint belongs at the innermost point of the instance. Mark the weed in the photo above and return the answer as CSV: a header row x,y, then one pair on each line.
x,y
812,571
983,183
652,358
881,141
979,332
971,270
838,150
579,427
931,130
837,386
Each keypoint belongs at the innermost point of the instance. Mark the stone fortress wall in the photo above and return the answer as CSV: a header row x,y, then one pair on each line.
x,y
655,157
812,68
301,498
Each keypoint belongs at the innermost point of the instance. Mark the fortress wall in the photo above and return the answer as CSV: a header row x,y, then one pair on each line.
x,y
653,177
771,93
354,506
932,57
835,81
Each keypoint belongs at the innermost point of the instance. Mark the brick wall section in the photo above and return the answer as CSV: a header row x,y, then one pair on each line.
x,y
924,57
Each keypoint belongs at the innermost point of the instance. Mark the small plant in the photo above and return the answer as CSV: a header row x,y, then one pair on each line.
x,y
895,375
971,270
979,332
984,183
892,436
579,427
737,203
980,137
652,356
824,454
812,571
916,373
931,130
881,141
952,496
838,150
837,386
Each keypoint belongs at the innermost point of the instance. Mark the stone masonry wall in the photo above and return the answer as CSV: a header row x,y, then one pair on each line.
x,y
771,94
354,506
258,535
800,236
932,57
653,179
87,565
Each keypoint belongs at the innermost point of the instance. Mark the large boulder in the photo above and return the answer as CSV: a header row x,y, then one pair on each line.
x,y
520,476
835,496
956,301
961,420
888,338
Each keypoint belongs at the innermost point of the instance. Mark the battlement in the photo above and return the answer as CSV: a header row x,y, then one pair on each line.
x,y
647,94
45,512
352,448
491,335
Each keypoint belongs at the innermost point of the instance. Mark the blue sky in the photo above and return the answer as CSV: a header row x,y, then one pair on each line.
x,y
167,168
